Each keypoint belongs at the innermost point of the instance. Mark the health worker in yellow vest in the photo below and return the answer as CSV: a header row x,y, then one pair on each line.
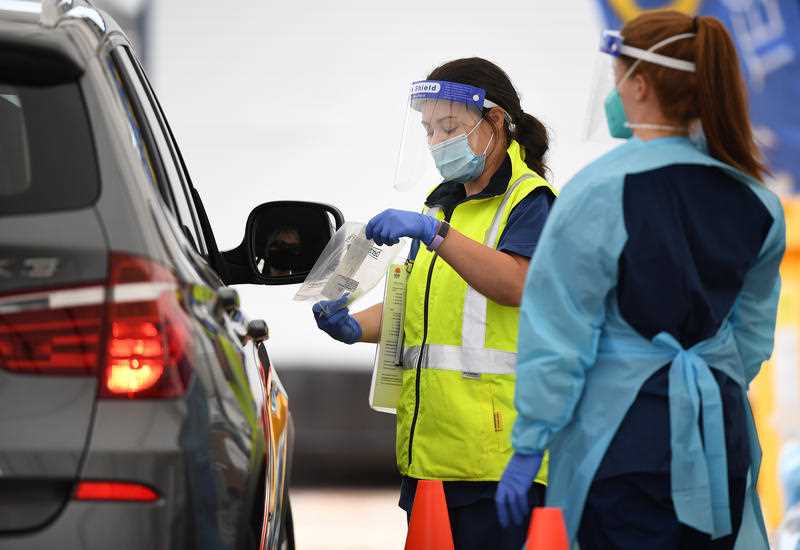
x,y
472,245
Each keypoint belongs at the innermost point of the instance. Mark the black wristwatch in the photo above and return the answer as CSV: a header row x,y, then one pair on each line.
x,y
441,233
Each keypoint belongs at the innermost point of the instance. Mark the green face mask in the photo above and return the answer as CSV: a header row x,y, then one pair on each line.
x,y
615,116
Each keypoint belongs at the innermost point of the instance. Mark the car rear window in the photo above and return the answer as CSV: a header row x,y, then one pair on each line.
x,y
47,157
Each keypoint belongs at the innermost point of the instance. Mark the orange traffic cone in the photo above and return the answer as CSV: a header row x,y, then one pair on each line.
x,y
430,523
547,530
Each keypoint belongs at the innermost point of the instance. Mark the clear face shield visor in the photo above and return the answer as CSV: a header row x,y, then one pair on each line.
x,y
604,113
444,135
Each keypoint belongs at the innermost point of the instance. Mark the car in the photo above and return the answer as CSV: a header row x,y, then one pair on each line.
x,y
139,407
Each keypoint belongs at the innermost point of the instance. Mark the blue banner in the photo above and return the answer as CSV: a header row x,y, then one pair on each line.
x,y
767,35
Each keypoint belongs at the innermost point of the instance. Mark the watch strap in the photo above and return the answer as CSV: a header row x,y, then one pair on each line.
x,y
441,233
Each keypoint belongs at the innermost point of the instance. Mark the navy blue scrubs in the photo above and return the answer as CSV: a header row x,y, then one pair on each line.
x,y
473,516
693,233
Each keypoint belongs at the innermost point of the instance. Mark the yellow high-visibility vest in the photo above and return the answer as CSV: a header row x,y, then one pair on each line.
x,y
456,405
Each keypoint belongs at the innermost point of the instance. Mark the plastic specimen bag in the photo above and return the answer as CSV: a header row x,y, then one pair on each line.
x,y
350,264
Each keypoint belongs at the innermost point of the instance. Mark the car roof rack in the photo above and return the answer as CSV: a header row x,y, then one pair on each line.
x,y
54,11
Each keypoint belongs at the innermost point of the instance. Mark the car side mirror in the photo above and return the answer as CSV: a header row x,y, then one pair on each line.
x,y
282,240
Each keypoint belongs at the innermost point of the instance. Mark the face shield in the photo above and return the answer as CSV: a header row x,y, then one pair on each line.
x,y
444,136
605,113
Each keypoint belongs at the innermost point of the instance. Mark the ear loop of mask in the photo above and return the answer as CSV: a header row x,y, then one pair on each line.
x,y
629,72
446,142
487,104
511,126
486,150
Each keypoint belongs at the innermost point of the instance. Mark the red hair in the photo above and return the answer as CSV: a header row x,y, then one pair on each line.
x,y
715,93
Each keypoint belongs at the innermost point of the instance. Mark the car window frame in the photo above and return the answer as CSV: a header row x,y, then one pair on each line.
x,y
153,162
196,204
172,144
148,117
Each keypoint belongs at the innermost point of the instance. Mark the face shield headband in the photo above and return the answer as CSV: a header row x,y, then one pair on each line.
x,y
614,45
427,90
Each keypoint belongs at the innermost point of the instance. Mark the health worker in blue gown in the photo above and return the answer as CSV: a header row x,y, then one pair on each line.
x,y
650,306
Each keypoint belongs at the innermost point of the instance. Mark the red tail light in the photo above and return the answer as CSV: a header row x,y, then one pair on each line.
x,y
131,331
149,331
55,332
114,490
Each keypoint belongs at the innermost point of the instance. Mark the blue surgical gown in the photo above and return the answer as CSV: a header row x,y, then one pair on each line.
x,y
592,334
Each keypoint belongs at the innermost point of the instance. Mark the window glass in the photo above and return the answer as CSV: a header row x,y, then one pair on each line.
x,y
47,156
137,138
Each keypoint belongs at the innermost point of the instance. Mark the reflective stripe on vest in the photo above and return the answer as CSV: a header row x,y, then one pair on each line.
x,y
473,327
472,356
461,358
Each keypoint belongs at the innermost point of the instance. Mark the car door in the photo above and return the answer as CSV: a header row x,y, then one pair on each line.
x,y
232,378
270,396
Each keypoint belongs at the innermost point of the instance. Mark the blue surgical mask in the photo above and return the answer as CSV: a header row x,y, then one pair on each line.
x,y
615,116
697,136
456,161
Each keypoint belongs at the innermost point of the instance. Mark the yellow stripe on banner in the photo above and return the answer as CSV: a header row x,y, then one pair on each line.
x,y
763,408
775,393
628,9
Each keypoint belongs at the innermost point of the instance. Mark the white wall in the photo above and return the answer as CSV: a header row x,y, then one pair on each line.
x,y
305,100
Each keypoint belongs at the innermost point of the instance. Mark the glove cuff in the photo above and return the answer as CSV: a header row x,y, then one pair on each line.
x,y
431,231
528,454
357,332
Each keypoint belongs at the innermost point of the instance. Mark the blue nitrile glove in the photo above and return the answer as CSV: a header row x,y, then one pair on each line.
x,y
511,497
388,226
334,318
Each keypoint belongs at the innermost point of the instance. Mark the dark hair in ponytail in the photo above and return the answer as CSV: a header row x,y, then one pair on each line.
x,y
527,130
715,93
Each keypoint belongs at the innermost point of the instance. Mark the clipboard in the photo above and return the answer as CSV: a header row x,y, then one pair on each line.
x,y
387,371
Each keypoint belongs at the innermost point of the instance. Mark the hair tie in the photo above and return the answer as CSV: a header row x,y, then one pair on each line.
x,y
512,127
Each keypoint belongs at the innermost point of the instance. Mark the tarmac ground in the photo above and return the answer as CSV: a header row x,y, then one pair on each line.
x,y
348,518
